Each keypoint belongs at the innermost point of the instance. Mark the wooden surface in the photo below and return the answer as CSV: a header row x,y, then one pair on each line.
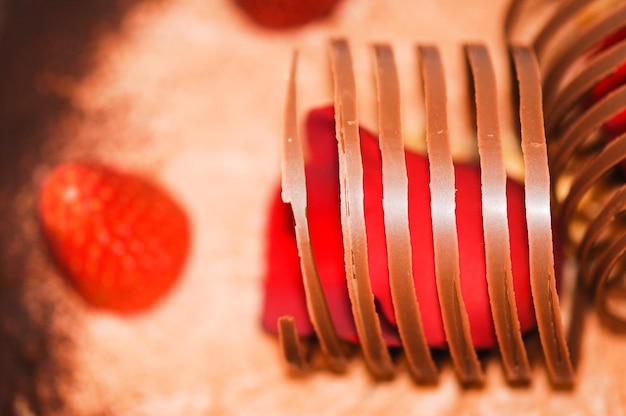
x,y
190,93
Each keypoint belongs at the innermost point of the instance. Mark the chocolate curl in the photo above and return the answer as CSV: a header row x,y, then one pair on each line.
x,y
611,291
290,344
614,207
539,220
294,193
578,88
592,171
396,217
368,327
583,128
576,132
443,208
565,56
550,29
495,217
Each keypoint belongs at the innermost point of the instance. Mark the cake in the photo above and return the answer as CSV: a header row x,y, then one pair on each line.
x,y
191,94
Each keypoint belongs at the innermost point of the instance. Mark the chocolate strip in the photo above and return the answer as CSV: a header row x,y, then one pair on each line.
x,y
396,217
579,87
571,125
443,208
614,207
605,290
587,124
566,56
294,192
590,173
368,327
539,221
290,343
495,217
561,16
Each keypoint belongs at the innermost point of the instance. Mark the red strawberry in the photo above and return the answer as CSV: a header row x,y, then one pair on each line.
x,y
120,240
284,292
281,14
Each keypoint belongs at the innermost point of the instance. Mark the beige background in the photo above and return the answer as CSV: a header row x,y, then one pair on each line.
x,y
190,93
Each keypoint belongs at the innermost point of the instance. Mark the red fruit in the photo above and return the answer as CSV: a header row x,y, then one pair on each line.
x,y
120,240
284,292
281,14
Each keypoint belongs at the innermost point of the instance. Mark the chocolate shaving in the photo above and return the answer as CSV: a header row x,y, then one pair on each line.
x,y
576,133
602,222
539,219
396,217
367,322
495,217
550,29
443,209
292,349
587,124
567,54
589,175
580,86
294,192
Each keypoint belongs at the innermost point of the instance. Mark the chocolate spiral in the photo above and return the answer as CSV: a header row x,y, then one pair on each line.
x,y
444,224
578,47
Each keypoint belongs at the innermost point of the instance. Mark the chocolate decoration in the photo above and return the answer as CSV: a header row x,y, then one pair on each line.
x,y
565,11
444,228
577,89
495,216
396,217
352,216
294,192
293,350
586,166
565,56
570,167
539,219
443,210
613,208
584,127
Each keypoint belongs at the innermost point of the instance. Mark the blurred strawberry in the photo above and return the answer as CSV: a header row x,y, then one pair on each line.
x,y
120,240
284,292
282,14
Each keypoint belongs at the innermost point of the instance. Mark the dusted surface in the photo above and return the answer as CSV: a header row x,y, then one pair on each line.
x,y
190,93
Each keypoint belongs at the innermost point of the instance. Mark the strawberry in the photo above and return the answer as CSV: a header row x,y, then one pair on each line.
x,y
281,14
284,290
121,241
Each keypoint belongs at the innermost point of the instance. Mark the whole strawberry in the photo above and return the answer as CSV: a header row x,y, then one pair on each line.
x,y
282,14
120,240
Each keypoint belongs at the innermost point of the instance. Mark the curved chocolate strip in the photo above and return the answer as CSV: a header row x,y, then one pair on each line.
x,y
590,174
443,208
577,89
294,192
290,343
396,216
566,56
561,16
495,217
614,207
352,216
511,18
606,264
583,127
539,220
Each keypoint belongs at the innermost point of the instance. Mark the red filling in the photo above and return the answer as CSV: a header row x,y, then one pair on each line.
x,y
284,291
